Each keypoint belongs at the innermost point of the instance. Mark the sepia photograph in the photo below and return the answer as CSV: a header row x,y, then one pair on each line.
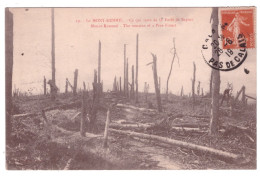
x,y
130,88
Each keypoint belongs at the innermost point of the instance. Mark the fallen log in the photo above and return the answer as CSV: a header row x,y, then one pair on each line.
x,y
198,116
135,108
219,153
145,126
142,126
23,115
190,125
187,129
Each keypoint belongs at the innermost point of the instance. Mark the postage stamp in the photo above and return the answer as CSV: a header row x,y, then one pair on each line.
x,y
238,21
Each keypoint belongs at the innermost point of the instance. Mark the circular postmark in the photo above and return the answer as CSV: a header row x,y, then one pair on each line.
x,y
218,55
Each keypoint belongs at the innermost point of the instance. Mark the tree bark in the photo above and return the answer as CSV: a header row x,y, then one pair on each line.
x,y
155,77
214,121
136,70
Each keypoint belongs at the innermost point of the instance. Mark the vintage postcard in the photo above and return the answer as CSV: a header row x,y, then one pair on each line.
x,y
130,88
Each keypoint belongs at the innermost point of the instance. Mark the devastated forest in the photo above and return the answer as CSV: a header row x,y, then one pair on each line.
x,y
129,127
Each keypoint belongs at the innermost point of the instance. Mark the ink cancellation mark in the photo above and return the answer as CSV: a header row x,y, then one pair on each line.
x,y
228,51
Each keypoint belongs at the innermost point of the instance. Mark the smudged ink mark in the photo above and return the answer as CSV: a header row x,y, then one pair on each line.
x,y
246,71
22,54
26,9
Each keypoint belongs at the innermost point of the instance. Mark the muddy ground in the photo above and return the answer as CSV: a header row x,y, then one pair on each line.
x,y
37,146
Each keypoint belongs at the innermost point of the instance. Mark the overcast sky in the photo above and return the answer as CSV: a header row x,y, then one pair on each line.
x,y
77,47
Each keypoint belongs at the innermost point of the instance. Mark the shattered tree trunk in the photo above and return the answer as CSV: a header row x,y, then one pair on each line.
x,y
133,84
156,87
214,121
75,82
136,70
8,71
193,83
84,86
168,79
99,61
114,84
127,91
83,114
44,86
120,89
53,92
66,86
125,70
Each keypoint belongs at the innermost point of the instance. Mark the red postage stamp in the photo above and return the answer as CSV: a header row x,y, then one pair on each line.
x,y
237,22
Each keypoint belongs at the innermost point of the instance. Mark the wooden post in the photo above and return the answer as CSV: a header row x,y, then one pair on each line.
x,y
155,77
193,83
83,114
136,70
44,85
133,84
105,145
66,86
75,82
8,71
99,61
202,93
214,121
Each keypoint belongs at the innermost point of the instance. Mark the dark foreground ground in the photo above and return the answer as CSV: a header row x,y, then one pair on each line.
x,y
37,146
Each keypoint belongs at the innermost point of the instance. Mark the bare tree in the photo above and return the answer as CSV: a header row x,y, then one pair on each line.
x,y
214,121
174,55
